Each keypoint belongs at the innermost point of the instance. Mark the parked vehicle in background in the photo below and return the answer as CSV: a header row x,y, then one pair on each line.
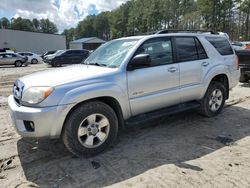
x,y
48,53
13,59
62,57
125,81
47,59
246,44
32,57
244,64
237,46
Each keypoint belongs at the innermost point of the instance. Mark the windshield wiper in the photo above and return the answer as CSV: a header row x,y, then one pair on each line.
x,y
98,64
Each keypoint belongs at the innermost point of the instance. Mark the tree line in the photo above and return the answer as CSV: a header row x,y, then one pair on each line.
x,y
142,16
35,25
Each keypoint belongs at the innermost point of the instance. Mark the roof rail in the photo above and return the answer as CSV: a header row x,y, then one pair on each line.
x,y
185,31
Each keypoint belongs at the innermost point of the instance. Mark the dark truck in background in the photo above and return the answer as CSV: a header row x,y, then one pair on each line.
x,y
244,63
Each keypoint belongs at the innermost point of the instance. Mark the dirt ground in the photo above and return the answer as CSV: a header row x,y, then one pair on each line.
x,y
182,150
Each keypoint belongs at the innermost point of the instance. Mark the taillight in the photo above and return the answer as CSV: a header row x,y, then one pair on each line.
x,y
237,63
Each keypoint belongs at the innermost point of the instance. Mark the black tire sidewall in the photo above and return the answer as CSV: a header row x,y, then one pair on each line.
x,y
16,64
36,61
205,101
72,124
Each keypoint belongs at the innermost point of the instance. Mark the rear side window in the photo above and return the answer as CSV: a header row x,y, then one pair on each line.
x,y
221,45
200,50
189,49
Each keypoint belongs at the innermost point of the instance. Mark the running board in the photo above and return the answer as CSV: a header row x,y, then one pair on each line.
x,y
139,119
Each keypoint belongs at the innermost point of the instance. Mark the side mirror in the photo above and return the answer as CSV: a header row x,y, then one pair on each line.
x,y
139,61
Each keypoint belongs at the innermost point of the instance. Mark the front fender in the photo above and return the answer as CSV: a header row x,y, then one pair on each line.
x,y
95,90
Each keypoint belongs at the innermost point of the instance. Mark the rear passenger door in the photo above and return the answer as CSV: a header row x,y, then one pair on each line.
x,y
194,63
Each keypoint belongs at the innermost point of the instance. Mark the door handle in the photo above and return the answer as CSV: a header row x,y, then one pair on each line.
x,y
205,64
172,69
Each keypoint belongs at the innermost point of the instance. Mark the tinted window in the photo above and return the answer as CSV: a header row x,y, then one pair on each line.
x,y
78,52
159,49
68,52
221,45
186,49
200,50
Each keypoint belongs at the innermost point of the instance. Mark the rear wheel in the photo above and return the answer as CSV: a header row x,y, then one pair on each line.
x,y
34,61
214,99
244,78
18,64
90,129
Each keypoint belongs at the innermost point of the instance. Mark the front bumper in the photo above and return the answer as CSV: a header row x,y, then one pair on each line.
x,y
47,121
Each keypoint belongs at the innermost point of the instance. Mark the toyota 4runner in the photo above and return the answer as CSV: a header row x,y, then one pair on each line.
x,y
125,81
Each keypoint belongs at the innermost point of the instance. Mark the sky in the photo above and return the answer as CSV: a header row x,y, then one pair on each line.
x,y
64,13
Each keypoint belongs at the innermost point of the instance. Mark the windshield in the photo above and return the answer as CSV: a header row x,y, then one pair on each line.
x,y
111,54
59,52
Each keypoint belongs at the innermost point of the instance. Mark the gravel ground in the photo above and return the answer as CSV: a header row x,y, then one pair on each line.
x,y
182,150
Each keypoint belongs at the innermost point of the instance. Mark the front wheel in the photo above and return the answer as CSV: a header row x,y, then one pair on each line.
x,y
214,99
90,128
18,64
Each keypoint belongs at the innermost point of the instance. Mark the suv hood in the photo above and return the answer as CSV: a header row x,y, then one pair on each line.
x,y
65,75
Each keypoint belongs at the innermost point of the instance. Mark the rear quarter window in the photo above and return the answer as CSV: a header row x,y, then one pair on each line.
x,y
221,45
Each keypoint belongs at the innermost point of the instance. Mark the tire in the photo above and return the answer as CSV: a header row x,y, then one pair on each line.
x,y
18,63
214,99
82,133
34,61
244,78
55,64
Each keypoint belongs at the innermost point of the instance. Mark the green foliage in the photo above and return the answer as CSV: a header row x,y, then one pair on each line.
x,y
142,16
47,26
43,25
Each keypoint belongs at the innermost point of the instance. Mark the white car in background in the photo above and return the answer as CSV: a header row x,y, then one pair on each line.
x,y
32,57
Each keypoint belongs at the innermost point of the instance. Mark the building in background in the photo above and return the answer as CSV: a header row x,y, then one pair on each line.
x,y
86,43
26,41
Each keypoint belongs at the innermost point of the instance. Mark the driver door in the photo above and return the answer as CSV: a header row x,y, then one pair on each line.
x,y
156,86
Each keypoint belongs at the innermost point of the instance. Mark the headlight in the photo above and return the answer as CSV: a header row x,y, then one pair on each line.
x,y
35,95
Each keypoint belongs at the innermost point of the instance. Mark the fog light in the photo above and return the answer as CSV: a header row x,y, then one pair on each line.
x,y
29,126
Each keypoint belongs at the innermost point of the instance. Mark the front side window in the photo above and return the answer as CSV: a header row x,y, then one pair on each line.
x,y
159,50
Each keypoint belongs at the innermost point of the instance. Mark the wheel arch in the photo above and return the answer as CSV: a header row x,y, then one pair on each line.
x,y
111,101
222,78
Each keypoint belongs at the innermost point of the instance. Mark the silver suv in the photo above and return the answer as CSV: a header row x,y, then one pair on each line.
x,y
125,81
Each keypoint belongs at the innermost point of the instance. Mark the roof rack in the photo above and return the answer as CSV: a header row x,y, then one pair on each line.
x,y
185,31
